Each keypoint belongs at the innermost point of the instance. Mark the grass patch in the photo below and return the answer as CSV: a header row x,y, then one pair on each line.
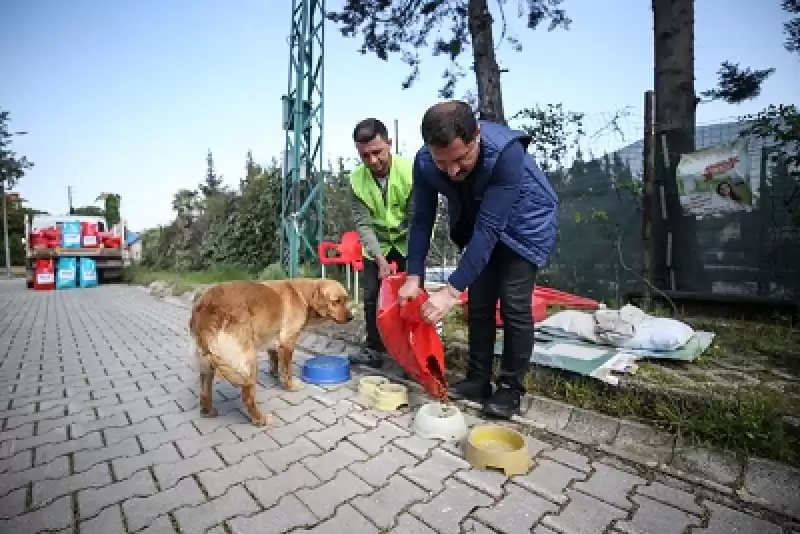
x,y
747,421
144,276
745,418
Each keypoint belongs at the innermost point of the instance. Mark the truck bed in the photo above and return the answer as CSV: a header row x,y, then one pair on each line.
x,y
59,252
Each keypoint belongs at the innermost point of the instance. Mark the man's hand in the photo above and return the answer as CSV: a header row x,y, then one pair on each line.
x,y
384,269
439,304
410,289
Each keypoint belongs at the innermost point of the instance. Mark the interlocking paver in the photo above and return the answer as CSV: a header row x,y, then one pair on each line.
x,y
373,440
279,459
13,504
105,410
140,512
610,485
217,482
288,514
56,469
346,519
10,447
550,479
327,465
236,501
653,517
233,452
331,414
671,496
377,470
584,515
431,473
323,500
269,491
725,520
56,515
85,459
328,437
220,436
47,490
382,506
126,466
286,434
109,521
518,511
148,426
46,453
446,511
169,474
408,524
90,501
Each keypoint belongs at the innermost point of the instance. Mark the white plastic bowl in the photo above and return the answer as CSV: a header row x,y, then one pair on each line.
x,y
440,421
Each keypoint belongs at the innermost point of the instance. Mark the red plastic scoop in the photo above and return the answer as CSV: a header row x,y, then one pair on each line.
x,y
410,341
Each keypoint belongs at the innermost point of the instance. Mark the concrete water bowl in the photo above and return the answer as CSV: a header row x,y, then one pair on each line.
x,y
498,447
436,420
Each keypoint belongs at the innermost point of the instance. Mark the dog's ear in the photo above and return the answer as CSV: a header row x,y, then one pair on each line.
x,y
319,301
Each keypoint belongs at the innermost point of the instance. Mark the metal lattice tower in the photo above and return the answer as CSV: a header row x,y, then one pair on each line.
x,y
303,182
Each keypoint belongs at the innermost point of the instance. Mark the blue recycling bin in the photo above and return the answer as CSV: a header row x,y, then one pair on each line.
x,y
71,234
87,274
66,273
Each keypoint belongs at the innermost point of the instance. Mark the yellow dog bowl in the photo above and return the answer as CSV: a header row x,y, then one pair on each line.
x,y
368,385
498,447
377,392
389,397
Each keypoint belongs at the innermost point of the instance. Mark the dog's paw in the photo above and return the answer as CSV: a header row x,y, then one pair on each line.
x,y
264,420
212,412
293,385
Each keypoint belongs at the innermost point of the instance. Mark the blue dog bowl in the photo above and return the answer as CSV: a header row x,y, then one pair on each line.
x,y
326,370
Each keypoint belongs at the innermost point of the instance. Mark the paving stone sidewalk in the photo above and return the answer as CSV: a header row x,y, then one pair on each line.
x,y
101,433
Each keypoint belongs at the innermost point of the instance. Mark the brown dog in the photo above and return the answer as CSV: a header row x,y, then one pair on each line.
x,y
230,322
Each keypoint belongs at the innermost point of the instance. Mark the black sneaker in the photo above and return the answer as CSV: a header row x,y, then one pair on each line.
x,y
472,389
368,357
504,403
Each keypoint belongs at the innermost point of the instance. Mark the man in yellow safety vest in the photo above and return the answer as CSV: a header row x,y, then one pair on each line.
x,y
381,206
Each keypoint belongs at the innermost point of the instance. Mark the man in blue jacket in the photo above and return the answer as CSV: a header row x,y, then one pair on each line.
x,y
502,213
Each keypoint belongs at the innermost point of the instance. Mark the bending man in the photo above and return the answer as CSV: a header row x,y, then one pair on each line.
x,y
502,214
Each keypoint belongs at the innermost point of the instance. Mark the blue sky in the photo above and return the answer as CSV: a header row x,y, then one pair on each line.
x,y
128,96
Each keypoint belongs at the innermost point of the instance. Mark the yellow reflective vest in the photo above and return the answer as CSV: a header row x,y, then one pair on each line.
x,y
389,215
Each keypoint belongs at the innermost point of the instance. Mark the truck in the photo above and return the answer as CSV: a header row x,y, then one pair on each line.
x,y
109,261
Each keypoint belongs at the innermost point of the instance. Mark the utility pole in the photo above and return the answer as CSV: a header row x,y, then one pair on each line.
x,y
69,198
396,137
5,227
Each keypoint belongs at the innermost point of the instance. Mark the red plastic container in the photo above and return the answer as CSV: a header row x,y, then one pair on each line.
x,y
89,237
410,341
50,236
107,240
44,275
38,241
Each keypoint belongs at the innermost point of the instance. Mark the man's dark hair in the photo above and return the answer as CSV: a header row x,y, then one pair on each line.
x,y
445,122
369,129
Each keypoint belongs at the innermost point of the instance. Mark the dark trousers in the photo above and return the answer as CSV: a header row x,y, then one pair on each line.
x,y
372,285
510,278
